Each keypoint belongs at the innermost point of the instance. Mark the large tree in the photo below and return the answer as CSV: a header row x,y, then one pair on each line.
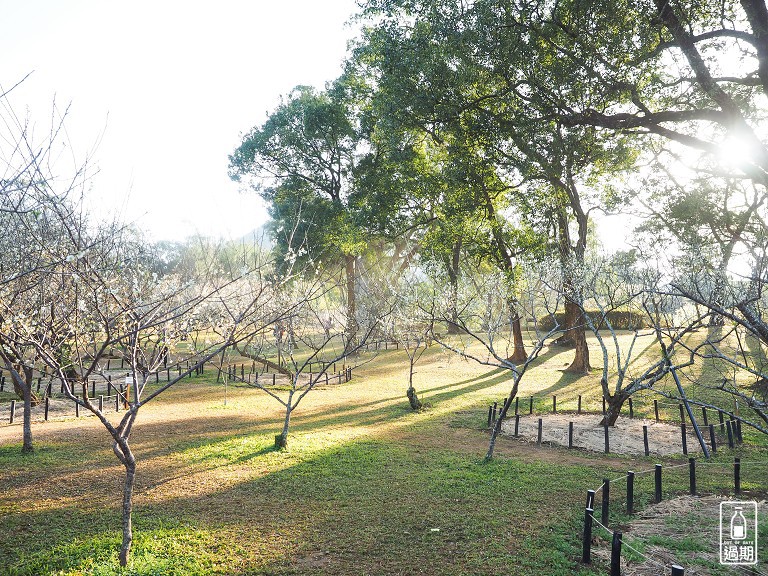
x,y
302,160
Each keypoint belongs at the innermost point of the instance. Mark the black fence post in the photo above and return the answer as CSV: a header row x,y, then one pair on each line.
x,y
682,412
704,414
677,570
657,484
578,410
607,440
692,475
616,554
13,411
530,407
590,499
729,430
721,416
47,405
538,435
587,537
737,476
645,441
656,409
605,501
490,414
739,437
517,425
517,406
630,492
712,438
685,438
554,403
570,434
631,409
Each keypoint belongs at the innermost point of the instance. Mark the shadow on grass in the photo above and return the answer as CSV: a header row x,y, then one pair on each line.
x,y
369,507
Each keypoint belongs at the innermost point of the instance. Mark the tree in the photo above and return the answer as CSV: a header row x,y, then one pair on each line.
x,y
40,213
477,94
486,330
302,161
309,341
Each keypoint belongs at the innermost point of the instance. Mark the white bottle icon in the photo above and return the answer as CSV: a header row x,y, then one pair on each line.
x,y
738,525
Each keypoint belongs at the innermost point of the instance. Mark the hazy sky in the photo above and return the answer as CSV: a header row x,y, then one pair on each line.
x,y
165,88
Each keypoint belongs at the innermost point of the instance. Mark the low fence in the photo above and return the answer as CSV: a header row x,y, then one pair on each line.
x,y
108,392
730,428
617,537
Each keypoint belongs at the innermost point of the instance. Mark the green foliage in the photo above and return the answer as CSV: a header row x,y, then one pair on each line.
x,y
618,319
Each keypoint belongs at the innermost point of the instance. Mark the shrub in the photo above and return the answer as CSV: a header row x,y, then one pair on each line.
x,y
619,319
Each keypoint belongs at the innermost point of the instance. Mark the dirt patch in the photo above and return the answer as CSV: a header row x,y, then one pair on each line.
x,y
626,437
691,523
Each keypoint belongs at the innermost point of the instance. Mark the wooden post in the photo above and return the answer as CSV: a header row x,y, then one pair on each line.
x,y
587,537
47,405
712,438
13,410
490,415
657,484
538,436
722,421
704,415
578,409
685,438
570,434
603,405
606,500
729,430
630,492
517,406
631,409
101,403
495,410
677,570
77,410
737,476
274,379
93,388
517,424
739,437
645,440
656,409
682,412
692,476
530,408
607,440
590,499
616,554
554,403
117,401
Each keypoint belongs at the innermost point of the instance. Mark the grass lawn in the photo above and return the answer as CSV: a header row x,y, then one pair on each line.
x,y
366,486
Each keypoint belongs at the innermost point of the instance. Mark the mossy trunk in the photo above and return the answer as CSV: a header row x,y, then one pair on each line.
x,y
413,398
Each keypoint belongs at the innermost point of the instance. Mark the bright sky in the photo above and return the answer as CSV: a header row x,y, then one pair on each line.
x,y
171,85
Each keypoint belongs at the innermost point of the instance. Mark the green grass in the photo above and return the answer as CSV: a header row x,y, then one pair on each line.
x,y
366,486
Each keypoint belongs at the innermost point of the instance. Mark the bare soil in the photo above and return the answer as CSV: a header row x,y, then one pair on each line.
x,y
626,437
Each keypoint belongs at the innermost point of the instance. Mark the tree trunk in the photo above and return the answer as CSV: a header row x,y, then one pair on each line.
x,y
613,406
580,364
519,355
130,475
281,440
349,263
413,399
27,445
452,267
